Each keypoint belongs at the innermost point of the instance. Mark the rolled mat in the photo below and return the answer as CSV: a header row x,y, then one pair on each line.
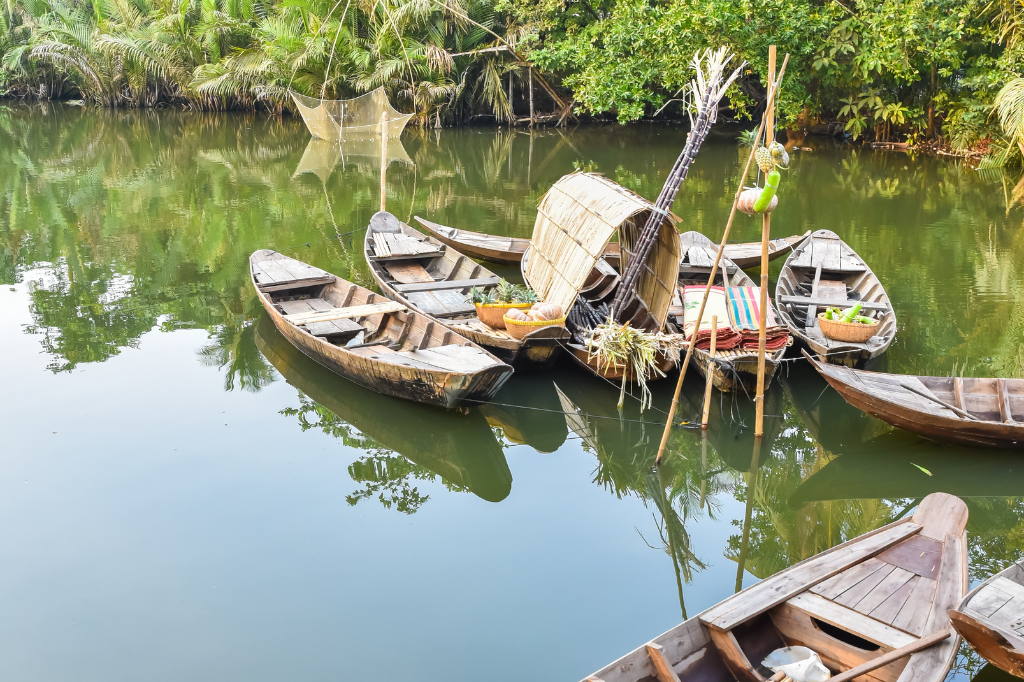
x,y
745,317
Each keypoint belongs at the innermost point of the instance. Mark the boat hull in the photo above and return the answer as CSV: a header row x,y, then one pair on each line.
x,y
933,427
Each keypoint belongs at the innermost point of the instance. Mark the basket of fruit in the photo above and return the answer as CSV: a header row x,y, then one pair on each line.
x,y
492,305
519,323
847,325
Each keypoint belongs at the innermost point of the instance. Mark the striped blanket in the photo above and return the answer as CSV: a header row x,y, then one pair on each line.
x,y
745,317
727,337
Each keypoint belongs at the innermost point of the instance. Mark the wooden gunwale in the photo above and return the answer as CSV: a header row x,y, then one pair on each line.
x,y
363,364
882,396
991,619
538,349
727,642
858,280
734,368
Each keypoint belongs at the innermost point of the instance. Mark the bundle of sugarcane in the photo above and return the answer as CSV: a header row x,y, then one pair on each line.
x,y
706,90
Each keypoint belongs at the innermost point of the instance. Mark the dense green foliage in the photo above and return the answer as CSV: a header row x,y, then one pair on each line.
x,y
881,70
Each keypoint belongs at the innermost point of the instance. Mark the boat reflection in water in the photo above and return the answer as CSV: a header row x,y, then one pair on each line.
x,y
527,411
460,448
901,465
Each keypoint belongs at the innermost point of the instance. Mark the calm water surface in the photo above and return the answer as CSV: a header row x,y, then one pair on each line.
x,y
185,496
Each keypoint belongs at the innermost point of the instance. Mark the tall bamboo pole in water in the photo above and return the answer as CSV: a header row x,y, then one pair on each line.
x,y
714,266
766,228
383,160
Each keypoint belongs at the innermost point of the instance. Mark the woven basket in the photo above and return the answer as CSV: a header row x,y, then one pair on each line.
x,y
493,314
853,332
518,330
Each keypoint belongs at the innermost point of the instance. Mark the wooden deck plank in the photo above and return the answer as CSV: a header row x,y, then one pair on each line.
x,y
914,612
885,589
890,607
345,313
408,272
826,302
799,577
841,582
855,594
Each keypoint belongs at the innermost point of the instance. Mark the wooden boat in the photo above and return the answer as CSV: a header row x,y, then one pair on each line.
x,y
492,248
978,412
732,369
371,341
864,603
434,279
991,619
824,272
460,448
510,250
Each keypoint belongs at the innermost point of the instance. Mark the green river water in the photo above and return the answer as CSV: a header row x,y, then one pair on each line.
x,y
185,496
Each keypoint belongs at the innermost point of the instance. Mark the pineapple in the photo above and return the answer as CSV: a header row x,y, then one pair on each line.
x,y
764,159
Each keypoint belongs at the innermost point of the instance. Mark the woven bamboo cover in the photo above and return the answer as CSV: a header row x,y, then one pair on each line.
x,y
333,119
575,221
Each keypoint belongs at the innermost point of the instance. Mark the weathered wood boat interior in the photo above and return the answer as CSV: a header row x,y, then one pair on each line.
x,y
991,619
435,279
493,248
358,321
854,605
825,272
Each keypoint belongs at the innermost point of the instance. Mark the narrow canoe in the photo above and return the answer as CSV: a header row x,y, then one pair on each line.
x,y
822,272
371,341
433,279
991,619
491,248
851,604
976,412
510,250
735,368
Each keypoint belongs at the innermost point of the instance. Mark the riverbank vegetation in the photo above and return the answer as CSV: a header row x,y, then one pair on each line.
x,y
896,70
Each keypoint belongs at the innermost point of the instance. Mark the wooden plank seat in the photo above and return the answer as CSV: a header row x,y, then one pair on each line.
x,y
316,315
452,358
450,284
287,273
318,310
831,302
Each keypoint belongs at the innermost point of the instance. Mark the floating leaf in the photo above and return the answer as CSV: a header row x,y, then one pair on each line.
x,y
922,469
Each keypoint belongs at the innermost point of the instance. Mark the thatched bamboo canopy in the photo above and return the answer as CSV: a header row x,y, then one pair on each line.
x,y
576,219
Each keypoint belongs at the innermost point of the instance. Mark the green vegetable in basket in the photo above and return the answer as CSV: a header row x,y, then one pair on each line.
x,y
848,317
863,320
771,184
828,313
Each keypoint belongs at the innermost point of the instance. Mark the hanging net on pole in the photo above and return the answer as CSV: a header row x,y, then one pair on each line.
x,y
336,119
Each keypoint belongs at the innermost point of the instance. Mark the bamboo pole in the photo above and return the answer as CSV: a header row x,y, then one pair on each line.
x,y
741,562
383,160
531,97
766,228
710,373
714,267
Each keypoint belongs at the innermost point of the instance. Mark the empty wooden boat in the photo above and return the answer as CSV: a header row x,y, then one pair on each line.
x,y
371,341
510,250
735,368
862,606
979,412
434,280
991,619
825,272
492,248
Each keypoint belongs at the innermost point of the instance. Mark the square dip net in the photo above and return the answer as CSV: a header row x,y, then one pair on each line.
x,y
334,119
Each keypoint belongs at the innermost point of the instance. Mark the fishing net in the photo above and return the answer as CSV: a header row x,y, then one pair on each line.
x,y
334,119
